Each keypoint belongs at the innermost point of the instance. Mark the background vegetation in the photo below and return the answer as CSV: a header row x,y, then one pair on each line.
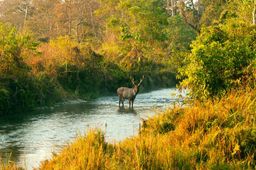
x,y
223,55
55,50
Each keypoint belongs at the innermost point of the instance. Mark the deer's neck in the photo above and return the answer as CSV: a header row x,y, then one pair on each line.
x,y
135,90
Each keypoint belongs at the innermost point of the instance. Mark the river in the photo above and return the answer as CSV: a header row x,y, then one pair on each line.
x,y
29,138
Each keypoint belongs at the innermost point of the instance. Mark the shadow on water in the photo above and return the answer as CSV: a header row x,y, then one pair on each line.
x,y
126,110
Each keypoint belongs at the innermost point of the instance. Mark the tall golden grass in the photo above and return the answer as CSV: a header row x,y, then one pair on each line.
x,y
9,166
215,134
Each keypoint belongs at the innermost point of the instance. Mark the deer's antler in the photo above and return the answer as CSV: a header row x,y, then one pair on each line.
x,y
141,80
132,80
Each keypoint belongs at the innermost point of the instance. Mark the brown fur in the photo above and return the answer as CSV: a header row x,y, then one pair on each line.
x,y
128,93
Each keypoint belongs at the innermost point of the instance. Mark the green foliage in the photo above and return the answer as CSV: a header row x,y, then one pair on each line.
x,y
16,83
12,46
219,58
212,11
34,75
180,34
21,86
147,27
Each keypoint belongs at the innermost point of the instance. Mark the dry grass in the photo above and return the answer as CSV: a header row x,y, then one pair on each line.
x,y
218,134
9,166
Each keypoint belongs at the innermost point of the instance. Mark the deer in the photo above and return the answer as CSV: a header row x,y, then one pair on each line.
x,y
129,93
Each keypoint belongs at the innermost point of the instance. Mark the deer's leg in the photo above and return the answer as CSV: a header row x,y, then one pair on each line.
x,y
132,103
119,101
123,102
129,103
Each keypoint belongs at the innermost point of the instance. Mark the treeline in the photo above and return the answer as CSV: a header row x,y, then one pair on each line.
x,y
52,49
35,74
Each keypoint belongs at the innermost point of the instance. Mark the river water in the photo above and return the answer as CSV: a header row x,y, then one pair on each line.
x,y
29,138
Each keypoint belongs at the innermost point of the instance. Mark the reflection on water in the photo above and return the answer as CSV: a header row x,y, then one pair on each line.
x,y
29,138
126,110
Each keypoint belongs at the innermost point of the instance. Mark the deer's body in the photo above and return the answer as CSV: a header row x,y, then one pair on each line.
x,y
128,93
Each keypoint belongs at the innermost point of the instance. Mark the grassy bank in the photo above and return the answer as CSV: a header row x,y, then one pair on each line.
x,y
216,134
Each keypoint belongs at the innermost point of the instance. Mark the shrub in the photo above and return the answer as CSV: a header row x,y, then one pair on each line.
x,y
219,59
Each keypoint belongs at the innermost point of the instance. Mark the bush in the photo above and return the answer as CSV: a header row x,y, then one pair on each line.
x,y
219,59
16,81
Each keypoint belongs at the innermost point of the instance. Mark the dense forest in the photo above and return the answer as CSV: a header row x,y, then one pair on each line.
x,y
53,49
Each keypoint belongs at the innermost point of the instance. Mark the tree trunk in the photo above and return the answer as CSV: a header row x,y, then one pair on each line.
x,y
173,7
25,16
254,13
92,21
69,13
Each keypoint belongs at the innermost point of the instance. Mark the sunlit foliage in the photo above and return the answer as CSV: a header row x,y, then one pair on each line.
x,y
219,59
16,84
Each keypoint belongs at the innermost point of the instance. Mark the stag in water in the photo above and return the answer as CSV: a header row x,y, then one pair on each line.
x,y
129,93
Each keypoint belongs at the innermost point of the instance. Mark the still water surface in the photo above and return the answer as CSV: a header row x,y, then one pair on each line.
x,y
29,138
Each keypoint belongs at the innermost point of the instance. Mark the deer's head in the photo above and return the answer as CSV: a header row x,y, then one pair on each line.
x,y
137,86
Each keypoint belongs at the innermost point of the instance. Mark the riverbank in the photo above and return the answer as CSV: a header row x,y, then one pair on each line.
x,y
218,134
29,138
53,92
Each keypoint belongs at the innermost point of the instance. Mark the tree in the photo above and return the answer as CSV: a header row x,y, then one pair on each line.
x,y
201,13
44,21
219,59
241,10
172,6
16,12
134,23
75,18
254,13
